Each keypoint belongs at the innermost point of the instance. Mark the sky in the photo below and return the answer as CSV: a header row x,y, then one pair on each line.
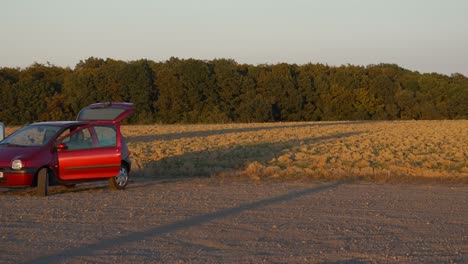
x,y
419,35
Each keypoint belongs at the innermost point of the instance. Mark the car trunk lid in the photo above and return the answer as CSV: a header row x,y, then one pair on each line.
x,y
112,112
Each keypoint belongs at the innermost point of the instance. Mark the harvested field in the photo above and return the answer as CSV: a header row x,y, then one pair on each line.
x,y
370,150
388,151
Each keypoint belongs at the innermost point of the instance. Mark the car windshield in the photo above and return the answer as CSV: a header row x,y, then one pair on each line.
x,y
32,135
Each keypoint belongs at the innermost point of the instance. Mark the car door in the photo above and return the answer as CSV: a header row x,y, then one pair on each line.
x,y
89,152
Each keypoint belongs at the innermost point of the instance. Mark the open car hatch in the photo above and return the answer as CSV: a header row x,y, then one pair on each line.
x,y
113,112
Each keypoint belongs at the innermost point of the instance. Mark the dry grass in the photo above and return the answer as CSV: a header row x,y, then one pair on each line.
x,y
388,151
384,151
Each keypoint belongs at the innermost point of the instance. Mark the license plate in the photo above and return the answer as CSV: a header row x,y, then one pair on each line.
x,y
1,174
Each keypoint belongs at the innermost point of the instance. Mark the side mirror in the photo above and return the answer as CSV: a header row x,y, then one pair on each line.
x,y
2,131
61,147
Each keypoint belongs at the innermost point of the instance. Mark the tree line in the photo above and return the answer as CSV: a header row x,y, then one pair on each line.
x,y
222,90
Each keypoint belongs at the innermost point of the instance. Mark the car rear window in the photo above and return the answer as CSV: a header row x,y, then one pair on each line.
x,y
107,114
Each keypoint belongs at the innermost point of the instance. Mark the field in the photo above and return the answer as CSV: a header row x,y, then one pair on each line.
x,y
369,150
383,151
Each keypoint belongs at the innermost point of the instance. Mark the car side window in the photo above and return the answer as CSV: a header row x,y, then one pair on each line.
x,y
78,139
106,136
2,131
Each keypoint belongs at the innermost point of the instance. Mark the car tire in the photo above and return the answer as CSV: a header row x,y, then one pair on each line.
x,y
42,182
121,180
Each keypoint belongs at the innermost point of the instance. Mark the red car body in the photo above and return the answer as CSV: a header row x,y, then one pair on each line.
x,y
70,152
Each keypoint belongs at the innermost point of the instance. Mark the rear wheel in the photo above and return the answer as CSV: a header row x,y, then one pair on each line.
x,y
121,180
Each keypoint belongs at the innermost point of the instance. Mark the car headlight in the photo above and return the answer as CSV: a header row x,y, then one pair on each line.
x,y
17,165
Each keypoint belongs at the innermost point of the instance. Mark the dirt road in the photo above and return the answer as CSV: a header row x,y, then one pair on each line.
x,y
205,220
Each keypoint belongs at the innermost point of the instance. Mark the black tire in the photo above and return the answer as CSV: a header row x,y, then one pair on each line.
x,y
121,180
42,182
51,177
69,186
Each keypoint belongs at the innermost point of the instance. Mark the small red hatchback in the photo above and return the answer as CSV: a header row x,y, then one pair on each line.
x,y
69,152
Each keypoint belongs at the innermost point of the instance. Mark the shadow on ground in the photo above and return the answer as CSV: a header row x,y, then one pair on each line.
x,y
223,160
105,244
193,134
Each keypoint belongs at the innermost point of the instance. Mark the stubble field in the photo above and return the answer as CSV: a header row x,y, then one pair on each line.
x,y
370,150
383,151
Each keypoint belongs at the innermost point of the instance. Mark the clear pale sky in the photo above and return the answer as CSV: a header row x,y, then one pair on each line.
x,y
420,35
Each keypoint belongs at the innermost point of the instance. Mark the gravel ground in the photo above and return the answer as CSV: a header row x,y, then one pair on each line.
x,y
207,220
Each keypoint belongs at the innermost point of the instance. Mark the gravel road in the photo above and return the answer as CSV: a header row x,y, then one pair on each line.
x,y
207,220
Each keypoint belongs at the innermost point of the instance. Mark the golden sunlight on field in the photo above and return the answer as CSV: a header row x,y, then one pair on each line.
x,y
382,150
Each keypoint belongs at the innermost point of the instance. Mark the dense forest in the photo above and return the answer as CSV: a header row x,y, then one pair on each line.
x,y
221,90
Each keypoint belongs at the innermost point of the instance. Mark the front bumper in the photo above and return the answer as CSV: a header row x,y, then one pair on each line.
x,y
17,178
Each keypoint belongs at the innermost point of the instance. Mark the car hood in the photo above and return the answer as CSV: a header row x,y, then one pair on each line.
x,y
10,153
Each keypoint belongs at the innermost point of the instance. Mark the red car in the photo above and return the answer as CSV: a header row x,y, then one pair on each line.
x,y
68,152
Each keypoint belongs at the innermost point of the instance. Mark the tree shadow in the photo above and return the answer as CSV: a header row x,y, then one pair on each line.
x,y
94,248
192,134
223,160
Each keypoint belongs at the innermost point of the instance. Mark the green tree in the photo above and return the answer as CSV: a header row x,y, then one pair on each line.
x,y
195,91
172,102
8,106
36,85
228,85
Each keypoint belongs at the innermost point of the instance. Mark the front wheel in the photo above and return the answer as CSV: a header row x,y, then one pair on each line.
x,y
121,180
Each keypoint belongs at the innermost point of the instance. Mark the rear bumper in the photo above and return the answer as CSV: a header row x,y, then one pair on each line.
x,y
17,178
